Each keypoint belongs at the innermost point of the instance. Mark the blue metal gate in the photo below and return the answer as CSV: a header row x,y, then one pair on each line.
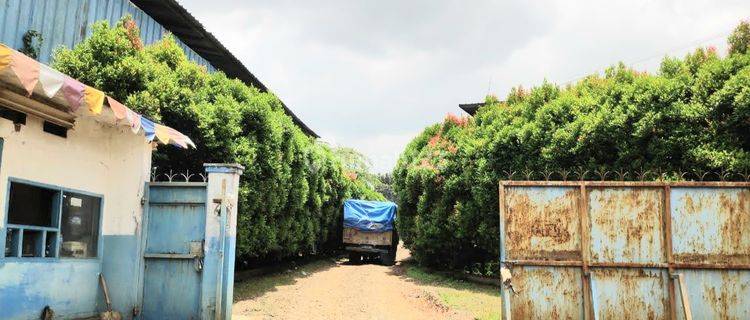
x,y
625,250
175,230
189,243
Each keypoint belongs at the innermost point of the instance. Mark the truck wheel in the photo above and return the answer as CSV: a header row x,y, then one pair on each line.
x,y
355,257
388,259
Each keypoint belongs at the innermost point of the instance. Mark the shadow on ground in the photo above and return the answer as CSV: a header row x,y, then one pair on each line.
x,y
257,286
409,270
481,300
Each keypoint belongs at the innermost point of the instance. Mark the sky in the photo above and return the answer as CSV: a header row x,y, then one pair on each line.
x,y
372,74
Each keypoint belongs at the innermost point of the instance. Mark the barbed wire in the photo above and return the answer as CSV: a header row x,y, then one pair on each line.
x,y
605,174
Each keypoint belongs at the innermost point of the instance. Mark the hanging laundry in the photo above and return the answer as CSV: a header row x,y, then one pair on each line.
x,y
51,80
178,139
26,69
73,91
117,108
5,57
162,133
30,72
148,128
134,119
94,99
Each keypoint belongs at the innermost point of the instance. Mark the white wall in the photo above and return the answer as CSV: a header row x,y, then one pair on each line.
x,y
95,157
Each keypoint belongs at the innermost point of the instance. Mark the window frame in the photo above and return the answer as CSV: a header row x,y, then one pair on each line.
x,y
57,216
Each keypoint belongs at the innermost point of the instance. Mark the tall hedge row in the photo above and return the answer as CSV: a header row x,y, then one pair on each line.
x,y
292,188
692,116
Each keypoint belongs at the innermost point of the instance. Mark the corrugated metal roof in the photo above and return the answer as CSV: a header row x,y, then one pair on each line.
x,y
172,16
471,108
68,22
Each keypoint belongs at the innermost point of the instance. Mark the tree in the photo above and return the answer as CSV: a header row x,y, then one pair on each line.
x,y
691,117
739,40
292,190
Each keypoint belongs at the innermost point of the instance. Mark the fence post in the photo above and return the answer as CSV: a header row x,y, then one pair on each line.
x,y
220,243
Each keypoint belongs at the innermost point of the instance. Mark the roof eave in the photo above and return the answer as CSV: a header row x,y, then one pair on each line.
x,y
195,36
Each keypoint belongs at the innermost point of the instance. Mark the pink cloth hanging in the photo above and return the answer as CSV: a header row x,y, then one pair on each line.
x,y
117,108
26,69
73,92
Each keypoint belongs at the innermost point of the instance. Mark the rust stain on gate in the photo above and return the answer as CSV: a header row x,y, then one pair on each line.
x,y
626,224
722,218
609,249
543,224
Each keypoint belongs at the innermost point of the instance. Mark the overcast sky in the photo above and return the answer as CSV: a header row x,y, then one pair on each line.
x,y
372,74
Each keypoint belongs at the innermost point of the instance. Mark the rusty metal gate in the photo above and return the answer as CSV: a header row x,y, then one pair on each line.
x,y
625,250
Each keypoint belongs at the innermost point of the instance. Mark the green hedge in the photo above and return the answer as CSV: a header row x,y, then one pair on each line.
x,y
692,116
293,186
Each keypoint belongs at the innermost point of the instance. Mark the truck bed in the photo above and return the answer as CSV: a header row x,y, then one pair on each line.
x,y
354,236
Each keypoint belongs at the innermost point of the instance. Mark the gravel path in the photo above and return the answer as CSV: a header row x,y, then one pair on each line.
x,y
344,291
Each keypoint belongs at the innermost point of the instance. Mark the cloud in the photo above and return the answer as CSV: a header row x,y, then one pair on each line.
x,y
372,74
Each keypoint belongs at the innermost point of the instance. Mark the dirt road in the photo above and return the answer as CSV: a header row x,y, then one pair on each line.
x,y
338,290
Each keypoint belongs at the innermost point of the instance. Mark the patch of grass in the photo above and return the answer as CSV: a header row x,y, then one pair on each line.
x,y
482,301
259,285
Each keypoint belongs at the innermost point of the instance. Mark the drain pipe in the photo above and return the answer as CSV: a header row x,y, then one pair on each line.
x,y
220,266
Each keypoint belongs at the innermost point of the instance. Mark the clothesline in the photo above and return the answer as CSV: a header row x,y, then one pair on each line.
x,y
54,84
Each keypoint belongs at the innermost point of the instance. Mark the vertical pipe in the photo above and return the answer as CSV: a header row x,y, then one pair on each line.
x,y
504,294
220,268
667,232
143,238
589,310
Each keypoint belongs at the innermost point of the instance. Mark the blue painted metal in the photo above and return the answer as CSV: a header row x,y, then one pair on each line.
x,y
177,219
230,247
717,294
611,250
630,293
638,215
30,284
68,22
223,168
542,223
711,225
122,269
68,286
545,293
176,223
57,215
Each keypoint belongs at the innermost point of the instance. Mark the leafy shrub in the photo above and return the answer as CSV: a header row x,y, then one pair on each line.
x,y
293,186
693,115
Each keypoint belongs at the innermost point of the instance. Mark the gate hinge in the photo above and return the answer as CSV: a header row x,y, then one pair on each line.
x,y
143,200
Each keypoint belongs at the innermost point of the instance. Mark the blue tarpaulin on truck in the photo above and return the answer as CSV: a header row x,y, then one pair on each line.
x,y
373,216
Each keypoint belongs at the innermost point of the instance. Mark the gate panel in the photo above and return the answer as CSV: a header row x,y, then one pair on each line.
x,y
625,250
630,293
546,293
716,294
711,225
172,227
165,278
626,224
175,233
542,223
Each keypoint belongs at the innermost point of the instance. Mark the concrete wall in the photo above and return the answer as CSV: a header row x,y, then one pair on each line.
x,y
96,158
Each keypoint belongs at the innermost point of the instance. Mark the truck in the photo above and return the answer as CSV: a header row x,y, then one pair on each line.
x,y
369,230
